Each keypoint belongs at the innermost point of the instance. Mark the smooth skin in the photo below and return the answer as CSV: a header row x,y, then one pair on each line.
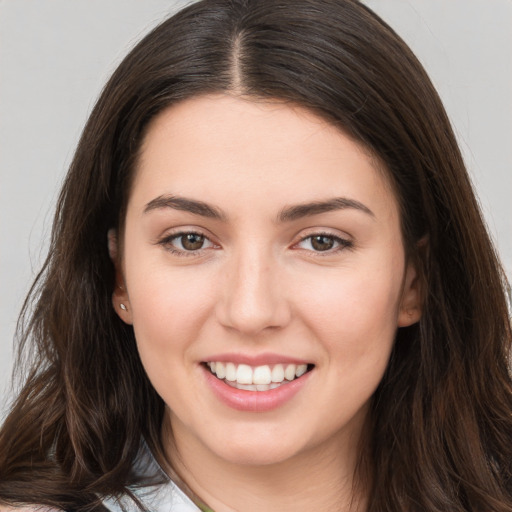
x,y
258,228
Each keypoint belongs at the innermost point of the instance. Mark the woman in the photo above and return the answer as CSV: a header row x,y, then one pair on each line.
x,y
269,281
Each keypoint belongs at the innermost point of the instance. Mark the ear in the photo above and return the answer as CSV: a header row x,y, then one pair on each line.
x,y
120,299
412,297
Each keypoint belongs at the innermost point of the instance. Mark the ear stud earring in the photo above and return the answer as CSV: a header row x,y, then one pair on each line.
x,y
123,307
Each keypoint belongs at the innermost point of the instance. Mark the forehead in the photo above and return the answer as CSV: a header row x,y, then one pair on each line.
x,y
220,144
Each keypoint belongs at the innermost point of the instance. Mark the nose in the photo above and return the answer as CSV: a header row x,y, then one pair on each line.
x,y
253,299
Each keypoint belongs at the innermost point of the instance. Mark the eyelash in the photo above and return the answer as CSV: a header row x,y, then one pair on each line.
x,y
166,242
343,243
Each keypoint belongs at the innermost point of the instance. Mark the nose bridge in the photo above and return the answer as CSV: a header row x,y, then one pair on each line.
x,y
253,299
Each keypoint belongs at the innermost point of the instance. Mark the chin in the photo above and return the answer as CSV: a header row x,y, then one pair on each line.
x,y
250,448
256,455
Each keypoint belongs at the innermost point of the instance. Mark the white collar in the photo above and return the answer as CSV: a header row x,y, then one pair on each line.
x,y
165,497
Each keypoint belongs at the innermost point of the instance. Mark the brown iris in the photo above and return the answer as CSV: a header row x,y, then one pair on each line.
x,y
192,241
322,243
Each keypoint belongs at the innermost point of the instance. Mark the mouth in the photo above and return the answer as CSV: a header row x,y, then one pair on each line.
x,y
257,378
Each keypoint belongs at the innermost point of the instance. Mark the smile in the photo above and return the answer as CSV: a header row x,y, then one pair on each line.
x,y
256,387
257,378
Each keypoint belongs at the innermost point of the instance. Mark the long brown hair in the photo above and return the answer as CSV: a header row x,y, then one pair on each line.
x,y
440,427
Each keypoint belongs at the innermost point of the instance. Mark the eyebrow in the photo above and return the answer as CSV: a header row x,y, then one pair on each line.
x,y
287,214
186,205
299,211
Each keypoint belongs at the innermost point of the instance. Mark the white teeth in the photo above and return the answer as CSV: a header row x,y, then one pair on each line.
x,y
259,378
246,387
220,370
289,373
278,373
301,370
262,375
244,374
230,371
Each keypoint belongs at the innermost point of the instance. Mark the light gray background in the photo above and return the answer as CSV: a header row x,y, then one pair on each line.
x,y
55,55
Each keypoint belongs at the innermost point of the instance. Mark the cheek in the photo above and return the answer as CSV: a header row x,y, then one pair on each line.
x,y
168,300
354,318
354,312
169,307
352,300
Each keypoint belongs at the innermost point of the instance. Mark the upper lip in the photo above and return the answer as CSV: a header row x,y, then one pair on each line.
x,y
255,359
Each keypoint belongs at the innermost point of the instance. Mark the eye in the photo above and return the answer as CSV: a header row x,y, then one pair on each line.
x,y
188,242
322,242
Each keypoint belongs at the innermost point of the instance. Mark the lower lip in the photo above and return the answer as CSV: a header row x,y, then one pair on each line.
x,y
255,401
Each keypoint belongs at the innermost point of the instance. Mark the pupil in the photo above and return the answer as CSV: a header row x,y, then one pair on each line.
x,y
192,241
322,243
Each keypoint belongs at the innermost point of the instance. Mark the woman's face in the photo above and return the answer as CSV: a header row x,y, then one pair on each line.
x,y
263,240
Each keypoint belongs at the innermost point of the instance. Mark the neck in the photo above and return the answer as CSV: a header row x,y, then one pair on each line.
x,y
320,478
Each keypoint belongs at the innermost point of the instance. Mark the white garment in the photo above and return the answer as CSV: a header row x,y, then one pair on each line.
x,y
163,498
166,497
